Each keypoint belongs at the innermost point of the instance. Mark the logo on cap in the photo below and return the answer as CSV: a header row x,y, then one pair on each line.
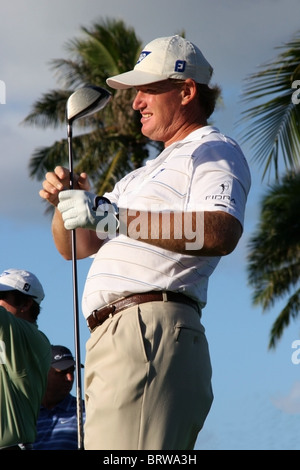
x,y
143,55
26,287
180,66
58,357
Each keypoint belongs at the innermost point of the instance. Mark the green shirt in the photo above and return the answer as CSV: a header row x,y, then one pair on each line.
x,y
25,355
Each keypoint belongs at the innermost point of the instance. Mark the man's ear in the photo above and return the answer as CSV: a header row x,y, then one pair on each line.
x,y
24,309
27,303
189,91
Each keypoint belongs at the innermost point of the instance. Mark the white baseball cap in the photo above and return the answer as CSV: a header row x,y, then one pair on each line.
x,y
163,58
23,281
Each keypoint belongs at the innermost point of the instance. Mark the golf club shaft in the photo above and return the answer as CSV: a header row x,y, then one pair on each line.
x,y
81,103
76,310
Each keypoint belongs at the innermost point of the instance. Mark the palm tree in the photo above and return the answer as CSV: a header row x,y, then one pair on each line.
x,y
111,143
274,253
274,122
274,131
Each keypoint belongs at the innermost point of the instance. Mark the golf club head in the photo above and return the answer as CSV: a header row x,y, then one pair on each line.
x,y
86,101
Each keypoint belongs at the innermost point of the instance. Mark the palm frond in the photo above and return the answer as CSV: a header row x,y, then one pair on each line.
x,y
290,311
110,142
50,110
46,158
274,251
272,125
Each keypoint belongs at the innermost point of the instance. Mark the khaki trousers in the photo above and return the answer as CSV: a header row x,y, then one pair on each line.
x,y
147,379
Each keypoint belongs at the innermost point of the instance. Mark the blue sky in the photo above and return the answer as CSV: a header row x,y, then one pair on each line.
x,y
257,391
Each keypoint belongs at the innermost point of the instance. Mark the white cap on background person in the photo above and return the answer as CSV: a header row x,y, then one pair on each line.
x,y
23,281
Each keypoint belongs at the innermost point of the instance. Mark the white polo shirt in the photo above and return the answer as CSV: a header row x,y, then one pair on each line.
x,y
206,171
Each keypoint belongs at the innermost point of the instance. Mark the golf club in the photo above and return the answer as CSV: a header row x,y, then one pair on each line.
x,y
82,103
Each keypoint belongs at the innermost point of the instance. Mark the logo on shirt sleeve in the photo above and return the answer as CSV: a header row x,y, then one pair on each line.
x,y
225,187
222,195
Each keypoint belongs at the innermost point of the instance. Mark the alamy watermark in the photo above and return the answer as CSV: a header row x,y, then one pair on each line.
x,y
296,94
154,225
296,354
2,92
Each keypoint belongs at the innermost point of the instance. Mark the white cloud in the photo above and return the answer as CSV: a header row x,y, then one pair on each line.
x,y
289,403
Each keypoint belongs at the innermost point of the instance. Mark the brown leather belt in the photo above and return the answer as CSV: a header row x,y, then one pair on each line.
x,y
99,316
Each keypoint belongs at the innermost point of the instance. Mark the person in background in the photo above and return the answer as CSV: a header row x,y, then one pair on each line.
x,y
25,356
156,239
57,422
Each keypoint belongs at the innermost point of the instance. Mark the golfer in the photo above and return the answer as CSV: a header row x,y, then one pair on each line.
x,y
156,239
25,355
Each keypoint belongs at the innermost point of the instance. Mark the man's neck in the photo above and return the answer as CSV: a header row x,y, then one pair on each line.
x,y
50,402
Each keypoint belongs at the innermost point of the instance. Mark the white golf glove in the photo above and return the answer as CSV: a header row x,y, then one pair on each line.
x,y
81,209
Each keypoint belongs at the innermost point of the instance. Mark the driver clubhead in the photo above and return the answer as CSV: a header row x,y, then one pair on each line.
x,y
86,101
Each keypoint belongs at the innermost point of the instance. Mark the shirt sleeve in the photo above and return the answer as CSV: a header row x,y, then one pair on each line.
x,y
220,180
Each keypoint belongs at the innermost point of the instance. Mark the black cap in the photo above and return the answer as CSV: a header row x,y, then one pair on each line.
x,y
62,358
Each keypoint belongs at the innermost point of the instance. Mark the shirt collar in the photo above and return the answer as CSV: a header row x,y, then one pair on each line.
x,y
200,133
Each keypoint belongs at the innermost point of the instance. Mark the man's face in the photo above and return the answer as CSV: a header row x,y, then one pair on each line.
x,y
17,304
9,302
60,382
160,107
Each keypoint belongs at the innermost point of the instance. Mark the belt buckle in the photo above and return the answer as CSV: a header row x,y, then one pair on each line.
x,y
93,314
110,312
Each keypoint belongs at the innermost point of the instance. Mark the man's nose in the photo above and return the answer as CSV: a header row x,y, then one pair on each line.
x,y
136,104
69,376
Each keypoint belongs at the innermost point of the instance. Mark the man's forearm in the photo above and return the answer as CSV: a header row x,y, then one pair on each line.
x,y
61,236
87,243
193,233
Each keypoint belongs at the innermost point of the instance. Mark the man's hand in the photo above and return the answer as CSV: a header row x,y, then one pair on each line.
x,y
58,180
79,210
